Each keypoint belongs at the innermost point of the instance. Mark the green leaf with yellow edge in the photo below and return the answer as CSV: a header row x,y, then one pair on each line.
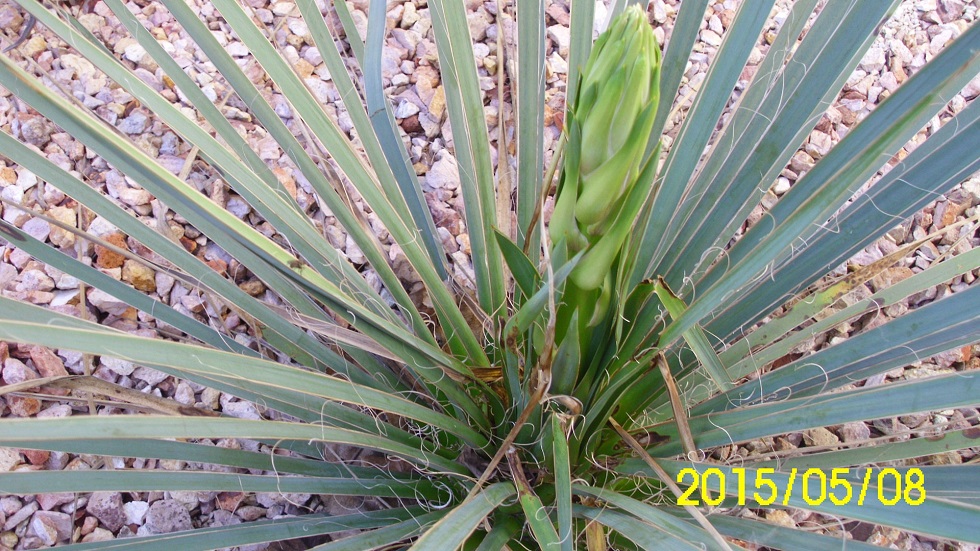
x,y
695,338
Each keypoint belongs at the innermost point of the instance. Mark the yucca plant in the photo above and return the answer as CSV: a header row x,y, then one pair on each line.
x,y
552,398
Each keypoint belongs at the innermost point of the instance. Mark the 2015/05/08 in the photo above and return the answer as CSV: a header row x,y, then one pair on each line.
x,y
816,486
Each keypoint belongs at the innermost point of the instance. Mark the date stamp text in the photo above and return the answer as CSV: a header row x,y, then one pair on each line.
x,y
814,486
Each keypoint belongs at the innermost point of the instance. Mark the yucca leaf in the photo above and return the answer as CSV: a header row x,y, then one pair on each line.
x,y
882,452
695,338
836,189
303,346
238,238
122,291
256,184
539,522
809,81
924,332
746,355
642,534
580,45
532,309
461,339
130,480
520,266
529,119
354,39
210,454
472,148
758,349
385,536
38,431
740,425
454,528
566,367
939,163
390,140
775,536
38,326
500,535
676,54
817,302
262,531
563,483
255,251
683,530
697,129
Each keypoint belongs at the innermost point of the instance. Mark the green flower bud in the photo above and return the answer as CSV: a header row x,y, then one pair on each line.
x,y
609,124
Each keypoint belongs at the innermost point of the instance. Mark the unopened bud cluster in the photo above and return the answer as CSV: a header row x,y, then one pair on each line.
x,y
609,123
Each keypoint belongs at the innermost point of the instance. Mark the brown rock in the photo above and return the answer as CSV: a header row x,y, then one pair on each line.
x,y
559,14
437,107
411,124
286,179
781,444
8,175
304,68
890,276
23,406
801,162
780,517
51,500
166,516
37,297
410,15
36,457
139,276
953,211
426,80
34,129
89,525
108,508
47,363
253,287
217,265
727,17
58,236
946,458
854,432
16,371
188,244
251,512
98,534
819,145
446,217
820,437
914,420
106,258
52,526
884,536
229,501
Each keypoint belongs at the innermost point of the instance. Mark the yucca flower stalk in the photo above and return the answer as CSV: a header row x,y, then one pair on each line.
x,y
607,176
610,116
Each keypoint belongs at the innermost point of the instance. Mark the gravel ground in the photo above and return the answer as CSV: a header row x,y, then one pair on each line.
x,y
917,32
